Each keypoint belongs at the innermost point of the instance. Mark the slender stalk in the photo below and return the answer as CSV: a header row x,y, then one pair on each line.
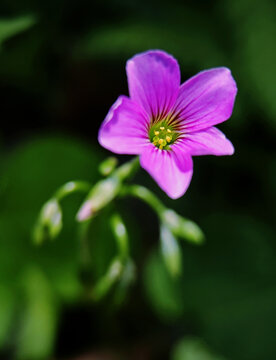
x,y
72,187
145,195
127,170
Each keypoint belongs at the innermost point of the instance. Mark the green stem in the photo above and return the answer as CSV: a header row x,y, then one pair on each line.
x,y
72,187
128,169
145,195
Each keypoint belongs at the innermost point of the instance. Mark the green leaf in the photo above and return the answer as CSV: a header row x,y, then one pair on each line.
x,y
170,250
162,290
131,37
7,308
30,175
193,349
38,325
11,27
255,51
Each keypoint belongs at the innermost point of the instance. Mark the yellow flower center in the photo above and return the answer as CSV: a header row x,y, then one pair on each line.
x,y
162,134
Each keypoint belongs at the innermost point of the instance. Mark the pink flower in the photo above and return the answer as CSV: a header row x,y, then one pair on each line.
x,y
167,123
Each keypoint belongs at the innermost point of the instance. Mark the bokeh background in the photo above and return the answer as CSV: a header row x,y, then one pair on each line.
x,y
62,64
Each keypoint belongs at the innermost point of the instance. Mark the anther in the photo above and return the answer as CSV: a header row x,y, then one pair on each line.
x,y
169,131
162,128
156,132
161,141
168,138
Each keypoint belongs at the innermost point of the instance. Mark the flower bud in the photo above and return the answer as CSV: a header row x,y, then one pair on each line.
x,y
49,223
182,227
100,195
108,165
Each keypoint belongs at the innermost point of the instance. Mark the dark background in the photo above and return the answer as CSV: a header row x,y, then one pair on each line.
x,y
62,65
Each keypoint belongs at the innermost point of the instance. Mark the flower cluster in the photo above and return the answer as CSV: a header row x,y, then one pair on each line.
x,y
167,123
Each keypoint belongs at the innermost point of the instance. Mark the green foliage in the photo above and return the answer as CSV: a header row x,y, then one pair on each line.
x,y
161,289
7,311
192,349
14,26
38,322
37,275
225,283
256,49
133,37
70,67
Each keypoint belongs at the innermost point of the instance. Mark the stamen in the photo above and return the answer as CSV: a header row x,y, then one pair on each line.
x,y
163,133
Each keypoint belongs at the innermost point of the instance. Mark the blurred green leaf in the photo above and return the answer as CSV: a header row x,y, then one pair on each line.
x,y
190,47
7,311
161,289
171,251
13,26
230,285
30,175
193,349
256,50
38,324
37,168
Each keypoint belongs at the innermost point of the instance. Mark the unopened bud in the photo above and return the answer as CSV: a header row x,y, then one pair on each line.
x,y
100,195
108,165
182,227
50,221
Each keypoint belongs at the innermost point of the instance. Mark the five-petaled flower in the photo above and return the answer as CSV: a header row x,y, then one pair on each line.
x,y
167,123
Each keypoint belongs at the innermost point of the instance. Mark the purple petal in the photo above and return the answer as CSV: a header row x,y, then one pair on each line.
x,y
124,130
153,81
206,99
207,142
170,169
